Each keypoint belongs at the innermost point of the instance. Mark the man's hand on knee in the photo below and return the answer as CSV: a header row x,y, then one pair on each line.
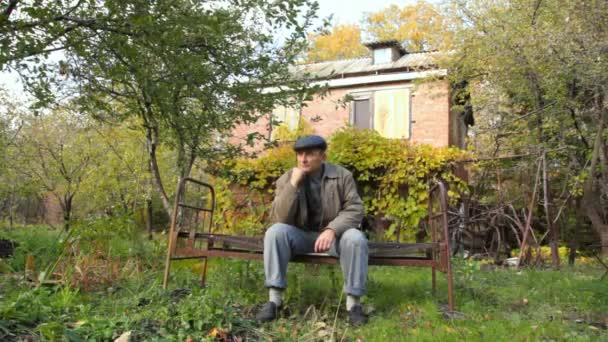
x,y
325,240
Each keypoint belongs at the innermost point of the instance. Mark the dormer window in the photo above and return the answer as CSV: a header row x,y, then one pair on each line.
x,y
386,51
382,56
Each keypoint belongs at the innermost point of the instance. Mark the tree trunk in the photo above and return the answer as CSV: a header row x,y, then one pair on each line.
x,y
149,218
604,240
11,210
67,211
591,195
572,254
594,214
152,143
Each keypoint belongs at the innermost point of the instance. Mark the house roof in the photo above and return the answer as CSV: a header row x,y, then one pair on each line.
x,y
379,44
363,66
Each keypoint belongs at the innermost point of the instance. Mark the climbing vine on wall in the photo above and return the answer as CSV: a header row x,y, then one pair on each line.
x,y
393,177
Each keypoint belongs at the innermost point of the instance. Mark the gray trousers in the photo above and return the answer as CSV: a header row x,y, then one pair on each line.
x,y
283,241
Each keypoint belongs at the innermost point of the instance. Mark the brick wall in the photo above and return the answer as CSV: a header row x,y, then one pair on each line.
x,y
329,113
430,113
241,132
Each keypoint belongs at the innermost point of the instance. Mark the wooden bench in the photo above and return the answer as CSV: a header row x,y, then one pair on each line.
x,y
191,237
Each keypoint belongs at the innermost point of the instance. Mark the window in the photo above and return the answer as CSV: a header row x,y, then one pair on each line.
x,y
392,113
387,111
362,114
285,117
382,56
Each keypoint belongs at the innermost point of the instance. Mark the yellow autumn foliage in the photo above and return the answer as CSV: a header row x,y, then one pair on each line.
x,y
343,42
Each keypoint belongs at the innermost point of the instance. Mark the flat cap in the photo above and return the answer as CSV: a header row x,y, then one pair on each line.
x,y
310,142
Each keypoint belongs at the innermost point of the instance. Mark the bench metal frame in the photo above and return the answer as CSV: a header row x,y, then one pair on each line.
x,y
186,231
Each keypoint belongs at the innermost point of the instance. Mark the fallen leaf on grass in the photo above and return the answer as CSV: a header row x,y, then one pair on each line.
x,y
598,325
322,333
125,337
369,309
218,334
79,323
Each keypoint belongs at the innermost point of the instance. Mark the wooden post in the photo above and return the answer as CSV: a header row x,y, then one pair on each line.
x,y
550,225
529,218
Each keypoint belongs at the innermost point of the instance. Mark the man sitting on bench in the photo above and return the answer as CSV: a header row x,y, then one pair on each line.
x,y
316,209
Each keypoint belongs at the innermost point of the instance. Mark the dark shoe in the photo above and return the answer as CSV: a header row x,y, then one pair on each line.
x,y
356,316
268,312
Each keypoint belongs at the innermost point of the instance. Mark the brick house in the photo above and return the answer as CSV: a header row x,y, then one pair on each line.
x,y
385,92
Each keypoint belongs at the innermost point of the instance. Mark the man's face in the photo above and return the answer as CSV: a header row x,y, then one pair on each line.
x,y
310,160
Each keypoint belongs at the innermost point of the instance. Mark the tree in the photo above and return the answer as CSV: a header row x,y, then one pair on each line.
x,y
15,187
419,27
542,86
57,152
343,42
7,184
121,183
188,71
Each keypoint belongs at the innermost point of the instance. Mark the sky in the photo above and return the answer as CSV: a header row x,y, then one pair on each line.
x,y
352,11
344,12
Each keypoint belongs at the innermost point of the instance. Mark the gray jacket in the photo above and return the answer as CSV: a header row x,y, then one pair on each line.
x,y
341,204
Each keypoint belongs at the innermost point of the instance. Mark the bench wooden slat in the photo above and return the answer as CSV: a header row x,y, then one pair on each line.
x,y
256,244
318,258
390,249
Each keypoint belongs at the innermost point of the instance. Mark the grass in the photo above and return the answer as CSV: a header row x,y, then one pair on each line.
x,y
496,305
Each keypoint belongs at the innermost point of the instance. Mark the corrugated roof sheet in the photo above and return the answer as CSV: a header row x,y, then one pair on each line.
x,y
342,68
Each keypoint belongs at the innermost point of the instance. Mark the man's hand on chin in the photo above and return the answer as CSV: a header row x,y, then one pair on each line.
x,y
297,175
325,240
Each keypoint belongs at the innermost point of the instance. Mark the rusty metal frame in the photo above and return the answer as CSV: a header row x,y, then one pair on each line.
x,y
437,257
174,232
